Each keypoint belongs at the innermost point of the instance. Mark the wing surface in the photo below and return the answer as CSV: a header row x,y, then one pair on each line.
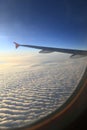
x,y
52,49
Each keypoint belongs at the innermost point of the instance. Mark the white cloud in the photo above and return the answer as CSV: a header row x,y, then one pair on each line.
x,y
35,87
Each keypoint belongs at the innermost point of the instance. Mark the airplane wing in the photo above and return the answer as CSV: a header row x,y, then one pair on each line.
x,y
52,49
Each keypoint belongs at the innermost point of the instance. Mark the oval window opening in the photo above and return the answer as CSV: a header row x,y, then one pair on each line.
x,y
42,72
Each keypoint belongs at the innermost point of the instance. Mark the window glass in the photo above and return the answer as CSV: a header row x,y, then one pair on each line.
x,y
33,85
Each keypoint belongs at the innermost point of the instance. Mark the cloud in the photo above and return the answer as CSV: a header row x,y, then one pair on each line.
x,y
35,89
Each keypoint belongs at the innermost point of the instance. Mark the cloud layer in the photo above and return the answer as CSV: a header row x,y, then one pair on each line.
x,y
32,90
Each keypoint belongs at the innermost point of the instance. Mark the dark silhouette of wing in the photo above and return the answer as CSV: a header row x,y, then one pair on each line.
x,y
52,49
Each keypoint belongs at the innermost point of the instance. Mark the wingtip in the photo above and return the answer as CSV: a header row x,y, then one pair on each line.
x,y
16,45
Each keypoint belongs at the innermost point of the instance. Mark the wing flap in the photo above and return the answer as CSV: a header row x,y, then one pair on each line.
x,y
45,51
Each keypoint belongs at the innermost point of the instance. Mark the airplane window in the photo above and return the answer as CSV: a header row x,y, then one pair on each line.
x,y
44,70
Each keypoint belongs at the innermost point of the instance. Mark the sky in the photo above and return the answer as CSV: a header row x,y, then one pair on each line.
x,y
52,23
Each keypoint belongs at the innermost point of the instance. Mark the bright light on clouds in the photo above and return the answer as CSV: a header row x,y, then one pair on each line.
x,y
7,61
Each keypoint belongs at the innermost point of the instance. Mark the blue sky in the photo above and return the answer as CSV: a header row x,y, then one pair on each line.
x,y
43,22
